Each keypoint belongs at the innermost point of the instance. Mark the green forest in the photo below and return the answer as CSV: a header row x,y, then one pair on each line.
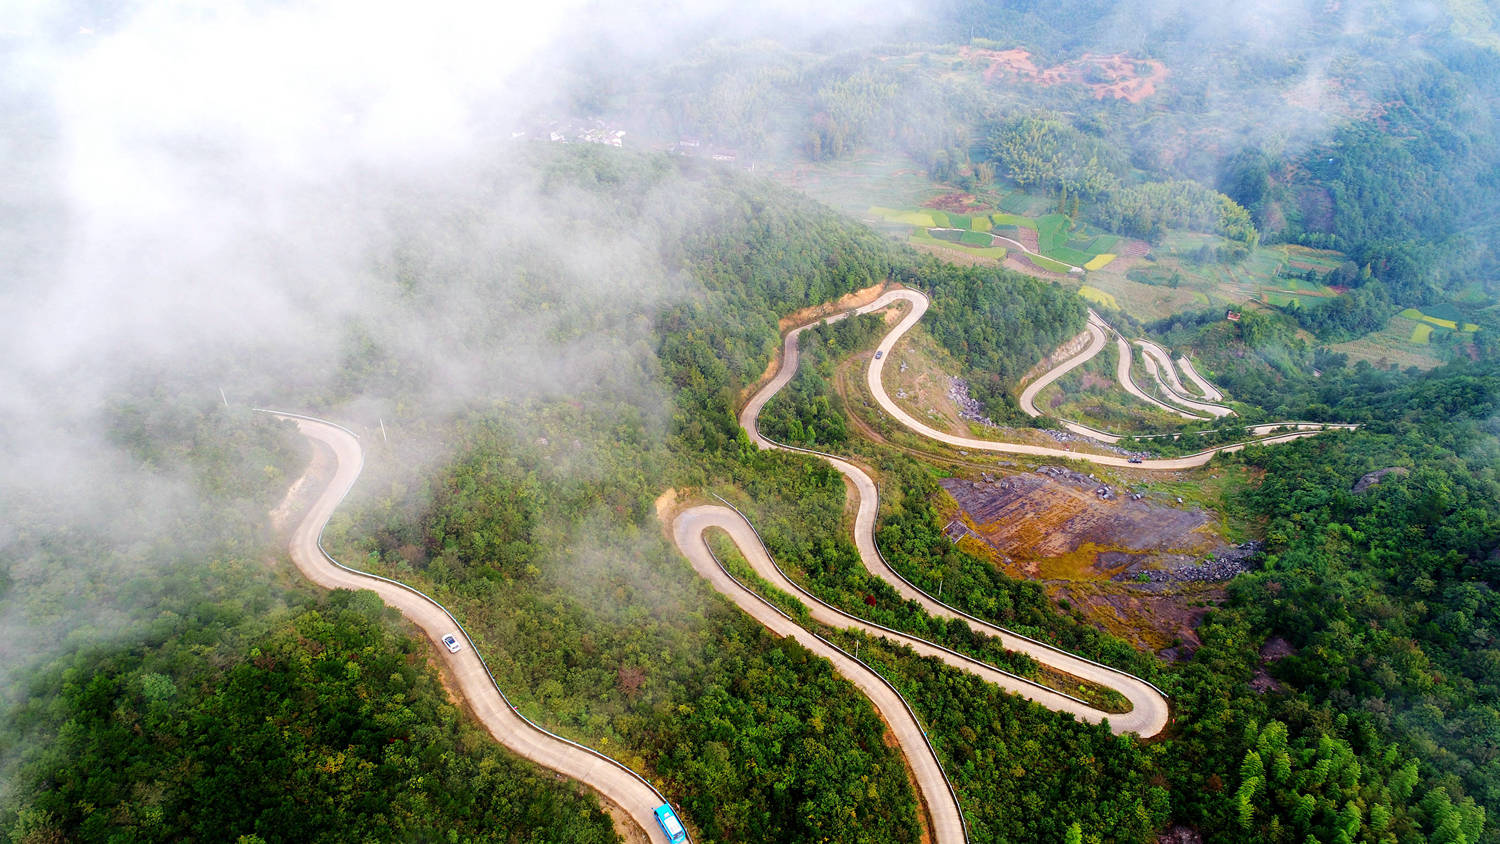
x,y
529,390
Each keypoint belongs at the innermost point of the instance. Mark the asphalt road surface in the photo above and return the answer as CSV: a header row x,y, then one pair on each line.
x,y
688,528
874,380
612,780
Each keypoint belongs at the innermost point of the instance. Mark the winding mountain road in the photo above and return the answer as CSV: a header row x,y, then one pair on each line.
x,y
615,782
932,784
1097,341
1159,364
874,380
1149,711
1208,390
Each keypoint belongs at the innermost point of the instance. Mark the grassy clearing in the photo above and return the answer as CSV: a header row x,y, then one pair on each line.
x,y
1301,285
848,184
1012,220
1393,345
1052,233
1072,256
1048,264
925,237
923,219
1015,203
1098,297
1105,243
1443,316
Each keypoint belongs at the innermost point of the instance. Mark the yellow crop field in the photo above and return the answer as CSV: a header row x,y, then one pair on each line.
x,y
1099,261
1098,297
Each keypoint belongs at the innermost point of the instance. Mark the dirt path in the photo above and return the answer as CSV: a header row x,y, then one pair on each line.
x,y
613,781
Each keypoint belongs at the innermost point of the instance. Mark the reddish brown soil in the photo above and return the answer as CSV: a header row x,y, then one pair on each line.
x,y
1162,618
1086,550
1026,237
1033,517
959,203
1118,76
1132,249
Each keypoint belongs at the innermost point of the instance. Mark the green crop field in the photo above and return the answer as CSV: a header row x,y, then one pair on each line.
x,y
1052,233
1304,286
1070,255
1015,203
1105,243
1443,316
976,239
1395,345
1012,221
921,218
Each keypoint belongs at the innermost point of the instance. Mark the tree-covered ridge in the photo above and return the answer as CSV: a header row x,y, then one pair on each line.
x,y
595,628
997,323
330,726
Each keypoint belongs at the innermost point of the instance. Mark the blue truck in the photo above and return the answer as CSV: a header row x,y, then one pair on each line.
x,y
670,825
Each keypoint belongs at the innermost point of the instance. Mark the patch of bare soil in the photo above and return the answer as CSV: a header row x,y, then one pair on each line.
x,y
960,203
849,300
1115,76
1159,617
301,494
1026,237
625,825
1087,547
1062,527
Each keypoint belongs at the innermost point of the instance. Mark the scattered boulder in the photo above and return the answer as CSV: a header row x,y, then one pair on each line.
x,y
1222,565
1276,648
968,407
1180,834
1376,477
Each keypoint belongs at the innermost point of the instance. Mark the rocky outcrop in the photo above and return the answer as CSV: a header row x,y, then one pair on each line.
x,y
1376,477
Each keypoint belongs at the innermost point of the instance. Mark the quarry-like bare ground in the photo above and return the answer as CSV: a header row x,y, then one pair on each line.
x,y
1087,549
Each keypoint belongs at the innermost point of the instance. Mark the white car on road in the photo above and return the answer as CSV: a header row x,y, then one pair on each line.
x,y
450,641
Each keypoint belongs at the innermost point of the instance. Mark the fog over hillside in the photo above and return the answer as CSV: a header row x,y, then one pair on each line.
x,y
250,197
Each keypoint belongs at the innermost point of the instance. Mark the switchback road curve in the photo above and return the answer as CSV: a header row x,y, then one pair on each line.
x,y
617,783
1097,331
932,784
874,380
1149,710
